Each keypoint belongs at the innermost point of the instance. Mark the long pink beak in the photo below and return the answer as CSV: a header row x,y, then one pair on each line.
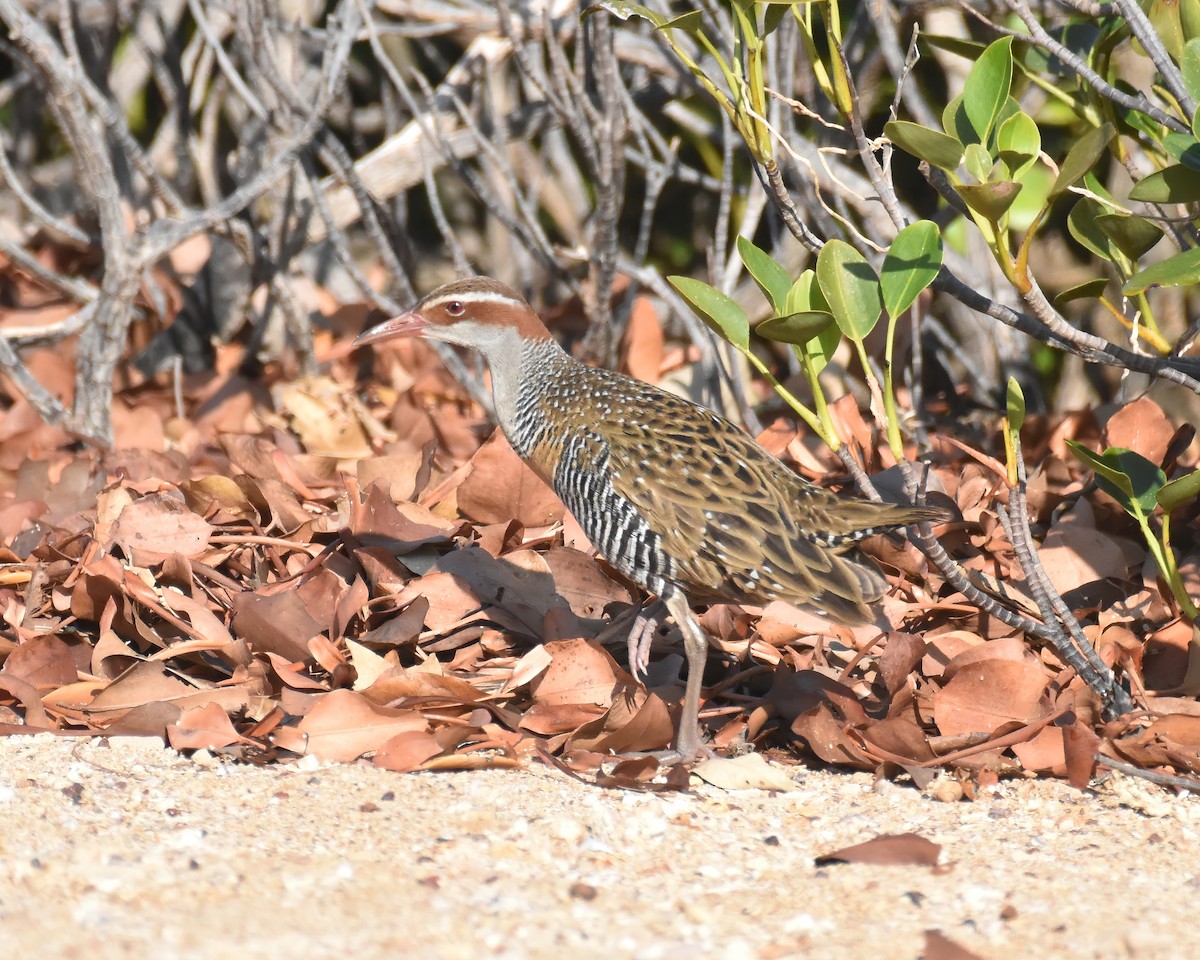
x,y
405,325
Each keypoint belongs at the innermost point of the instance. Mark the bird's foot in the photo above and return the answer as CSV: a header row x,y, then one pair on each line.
x,y
641,636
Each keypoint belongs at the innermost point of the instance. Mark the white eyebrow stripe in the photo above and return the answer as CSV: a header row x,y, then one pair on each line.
x,y
473,296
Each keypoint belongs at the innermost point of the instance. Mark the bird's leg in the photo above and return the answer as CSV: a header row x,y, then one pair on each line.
x,y
641,635
689,742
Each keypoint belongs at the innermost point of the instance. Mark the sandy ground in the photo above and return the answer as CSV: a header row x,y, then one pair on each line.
x,y
120,849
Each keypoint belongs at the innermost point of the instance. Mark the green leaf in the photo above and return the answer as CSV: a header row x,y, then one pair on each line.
x,y
1133,236
805,295
623,11
1098,466
1189,64
959,46
722,314
795,328
1089,288
936,149
1179,491
1015,405
1034,196
1015,417
956,123
912,264
992,200
1180,270
1018,142
1126,476
850,287
1189,19
771,278
1164,17
978,162
987,87
1182,148
821,348
691,23
1174,184
1082,157
1081,222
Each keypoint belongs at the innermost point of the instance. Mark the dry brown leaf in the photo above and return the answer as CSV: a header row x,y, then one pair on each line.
x,y
893,850
1075,552
643,341
217,493
636,722
343,725
319,413
153,528
403,472
501,487
43,661
580,672
1045,752
938,946
407,751
747,772
204,728
1141,426
401,527
281,619
987,694
580,581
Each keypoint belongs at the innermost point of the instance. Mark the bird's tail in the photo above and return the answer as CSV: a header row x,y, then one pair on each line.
x,y
859,519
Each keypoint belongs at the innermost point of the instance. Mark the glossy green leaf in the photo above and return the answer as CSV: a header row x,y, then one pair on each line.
x,y
821,348
978,162
1125,475
1081,222
1164,17
959,46
1096,463
1083,156
795,328
1189,65
987,86
1133,236
771,278
623,11
1179,491
1189,20
1014,417
1089,288
992,200
1183,148
956,123
721,313
935,148
850,287
1183,269
806,294
1018,142
1034,196
912,264
1174,184
1015,405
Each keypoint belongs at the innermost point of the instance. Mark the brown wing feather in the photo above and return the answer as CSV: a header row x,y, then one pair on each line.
x,y
739,524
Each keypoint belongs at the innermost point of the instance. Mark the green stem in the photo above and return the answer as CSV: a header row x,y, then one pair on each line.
x,y
895,441
1164,556
810,371
880,402
828,436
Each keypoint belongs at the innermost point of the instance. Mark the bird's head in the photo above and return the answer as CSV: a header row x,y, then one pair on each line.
x,y
475,312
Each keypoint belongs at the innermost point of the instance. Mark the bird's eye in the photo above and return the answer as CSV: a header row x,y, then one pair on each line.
x,y
455,308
